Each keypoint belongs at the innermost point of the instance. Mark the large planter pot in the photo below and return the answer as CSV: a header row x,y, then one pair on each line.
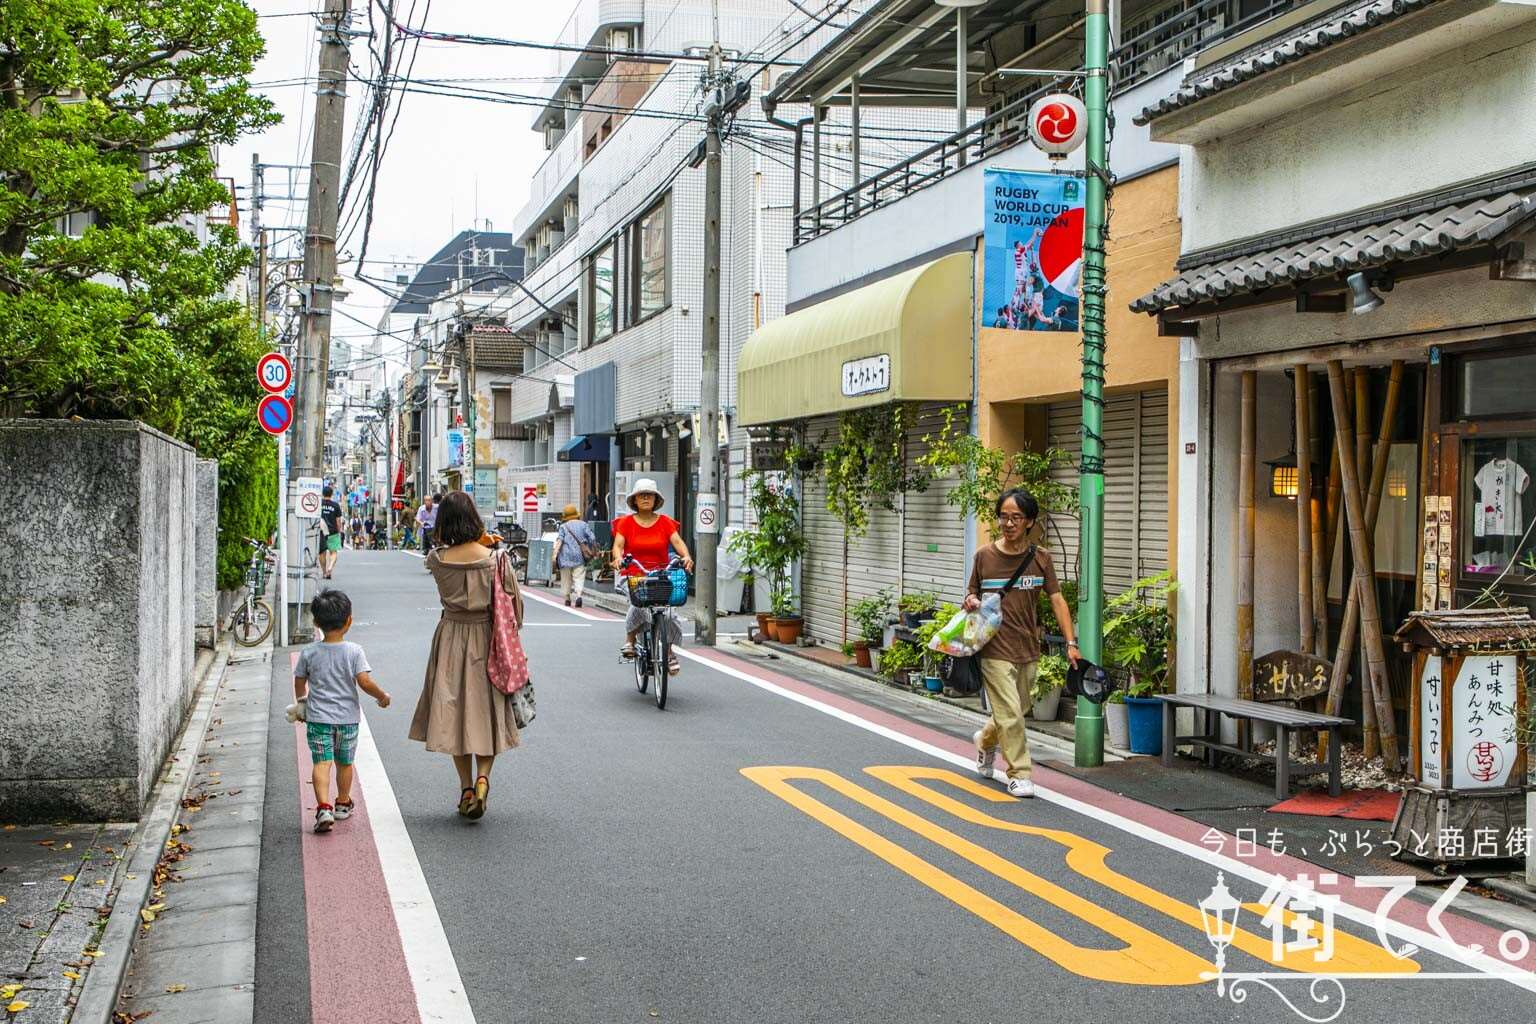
x,y
861,654
1145,720
762,623
1118,726
788,628
1045,709
771,628
933,684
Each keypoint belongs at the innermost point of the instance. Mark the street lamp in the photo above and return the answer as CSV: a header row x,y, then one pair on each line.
x,y
1218,916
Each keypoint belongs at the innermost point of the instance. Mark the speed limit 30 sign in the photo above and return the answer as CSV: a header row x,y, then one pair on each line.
x,y
274,372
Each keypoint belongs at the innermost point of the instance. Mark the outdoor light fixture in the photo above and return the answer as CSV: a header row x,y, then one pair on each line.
x,y
1284,477
1397,484
960,3
1362,299
1218,916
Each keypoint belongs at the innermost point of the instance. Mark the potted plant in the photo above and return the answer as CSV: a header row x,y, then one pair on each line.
x,y
869,614
924,633
1045,695
787,623
916,607
1138,637
771,547
1115,721
898,660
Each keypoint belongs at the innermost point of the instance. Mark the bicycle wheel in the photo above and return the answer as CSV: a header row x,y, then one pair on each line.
x,y
642,661
253,623
661,655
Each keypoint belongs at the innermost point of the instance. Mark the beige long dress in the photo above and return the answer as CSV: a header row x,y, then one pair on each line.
x,y
460,712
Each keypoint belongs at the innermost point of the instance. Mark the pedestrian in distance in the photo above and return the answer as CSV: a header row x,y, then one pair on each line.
x,y
575,545
1017,569
426,521
649,538
357,531
326,679
330,520
460,713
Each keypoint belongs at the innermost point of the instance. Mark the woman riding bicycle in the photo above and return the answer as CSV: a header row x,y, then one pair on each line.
x,y
648,537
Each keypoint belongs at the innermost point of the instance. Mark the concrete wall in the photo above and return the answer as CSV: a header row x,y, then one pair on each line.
x,y
207,556
98,605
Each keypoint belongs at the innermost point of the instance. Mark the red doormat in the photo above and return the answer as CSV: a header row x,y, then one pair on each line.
x,y
1358,804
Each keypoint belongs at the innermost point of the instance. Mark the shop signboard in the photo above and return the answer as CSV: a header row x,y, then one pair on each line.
x,y
1034,250
1483,702
455,438
485,489
531,496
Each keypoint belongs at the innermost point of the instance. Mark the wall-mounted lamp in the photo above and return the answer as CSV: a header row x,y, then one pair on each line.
x,y
1362,299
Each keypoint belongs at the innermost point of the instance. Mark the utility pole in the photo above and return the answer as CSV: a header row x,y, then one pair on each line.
x,y
1088,751
707,519
389,469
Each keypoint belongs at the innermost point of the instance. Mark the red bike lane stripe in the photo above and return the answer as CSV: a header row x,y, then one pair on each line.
x,y
1465,931
357,969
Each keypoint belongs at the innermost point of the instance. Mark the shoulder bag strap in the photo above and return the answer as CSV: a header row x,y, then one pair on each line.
x,y
1029,557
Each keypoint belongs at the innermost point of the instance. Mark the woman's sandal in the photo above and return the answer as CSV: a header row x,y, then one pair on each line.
x,y
481,791
466,801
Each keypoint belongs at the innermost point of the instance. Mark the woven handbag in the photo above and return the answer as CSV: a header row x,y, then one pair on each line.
x,y
507,663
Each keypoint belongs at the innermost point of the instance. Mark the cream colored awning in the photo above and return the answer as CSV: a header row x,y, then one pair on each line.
x,y
906,338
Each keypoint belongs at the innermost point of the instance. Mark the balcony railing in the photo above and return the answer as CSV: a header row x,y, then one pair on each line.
x,y
506,431
1186,29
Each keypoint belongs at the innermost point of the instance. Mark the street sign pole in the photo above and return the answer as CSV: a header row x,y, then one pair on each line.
x,y
282,549
1088,750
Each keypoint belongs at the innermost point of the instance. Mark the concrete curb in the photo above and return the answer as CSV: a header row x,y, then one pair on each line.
x,y
98,994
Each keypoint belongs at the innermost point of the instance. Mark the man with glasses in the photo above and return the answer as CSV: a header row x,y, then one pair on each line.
x,y
1016,569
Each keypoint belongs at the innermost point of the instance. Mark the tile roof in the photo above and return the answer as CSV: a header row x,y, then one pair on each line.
x,y
498,349
1306,39
1503,629
1432,232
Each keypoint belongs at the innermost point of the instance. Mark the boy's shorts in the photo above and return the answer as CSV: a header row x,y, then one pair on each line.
x,y
331,742
333,542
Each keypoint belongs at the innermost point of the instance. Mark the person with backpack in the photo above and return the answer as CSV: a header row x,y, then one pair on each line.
x,y
575,546
1016,569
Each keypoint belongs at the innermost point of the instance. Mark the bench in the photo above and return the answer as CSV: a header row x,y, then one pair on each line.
x,y
1280,679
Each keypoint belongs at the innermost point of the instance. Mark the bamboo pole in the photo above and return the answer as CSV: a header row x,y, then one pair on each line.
x,y
1303,387
1370,732
1322,555
1245,537
1359,542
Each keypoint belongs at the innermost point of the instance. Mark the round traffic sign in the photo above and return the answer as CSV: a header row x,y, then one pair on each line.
x,y
275,372
274,414
309,503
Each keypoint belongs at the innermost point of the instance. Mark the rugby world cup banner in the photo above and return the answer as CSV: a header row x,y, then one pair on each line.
x,y
1034,251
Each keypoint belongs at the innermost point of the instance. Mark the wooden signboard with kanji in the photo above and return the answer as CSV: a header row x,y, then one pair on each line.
x,y
1289,675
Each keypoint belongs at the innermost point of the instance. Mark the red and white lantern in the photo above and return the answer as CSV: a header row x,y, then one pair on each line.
x,y
1058,124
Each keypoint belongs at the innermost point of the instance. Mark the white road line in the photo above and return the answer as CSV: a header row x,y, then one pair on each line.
x,y
579,613
440,995
1422,939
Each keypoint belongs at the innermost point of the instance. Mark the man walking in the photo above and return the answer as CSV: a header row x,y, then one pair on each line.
x,y
426,519
1016,569
330,517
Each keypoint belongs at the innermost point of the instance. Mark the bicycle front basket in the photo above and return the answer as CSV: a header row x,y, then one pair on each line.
x,y
663,587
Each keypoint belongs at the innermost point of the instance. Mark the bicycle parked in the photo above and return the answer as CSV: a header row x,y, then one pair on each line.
x,y
252,622
655,592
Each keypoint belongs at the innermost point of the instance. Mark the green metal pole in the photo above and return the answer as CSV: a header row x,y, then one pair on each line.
x,y
1089,748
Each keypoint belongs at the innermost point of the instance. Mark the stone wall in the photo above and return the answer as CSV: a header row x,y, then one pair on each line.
x,y
207,576
98,600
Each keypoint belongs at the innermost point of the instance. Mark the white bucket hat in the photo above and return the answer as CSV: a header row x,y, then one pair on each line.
x,y
645,485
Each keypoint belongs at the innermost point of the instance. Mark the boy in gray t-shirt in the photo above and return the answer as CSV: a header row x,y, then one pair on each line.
x,y
325,682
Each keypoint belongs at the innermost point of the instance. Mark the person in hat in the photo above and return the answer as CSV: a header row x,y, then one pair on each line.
x,y
649,538
575,543
1017,569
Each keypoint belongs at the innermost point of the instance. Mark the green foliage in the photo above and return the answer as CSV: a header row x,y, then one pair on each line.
x,y
871,613
772,546
918,602
113,110
1138,632
902,656
866,466
982,473
1051,674
1046,612
925,633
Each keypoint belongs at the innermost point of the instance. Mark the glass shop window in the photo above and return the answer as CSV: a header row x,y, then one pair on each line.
x,y
1498,504
1497,385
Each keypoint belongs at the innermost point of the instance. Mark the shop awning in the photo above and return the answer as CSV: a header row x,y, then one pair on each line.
x,y
906,338
584,448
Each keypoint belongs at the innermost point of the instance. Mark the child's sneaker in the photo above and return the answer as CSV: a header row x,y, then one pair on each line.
x,y
325,818
343,811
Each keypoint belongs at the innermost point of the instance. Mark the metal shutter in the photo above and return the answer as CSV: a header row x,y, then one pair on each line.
x,y
1135,486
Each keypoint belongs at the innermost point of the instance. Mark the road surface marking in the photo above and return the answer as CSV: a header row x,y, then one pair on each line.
x,y
1145,958
1346,910
440,995
580,613
1352,955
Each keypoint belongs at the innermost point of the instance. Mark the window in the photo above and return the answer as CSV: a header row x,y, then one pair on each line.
x,y
501,405
1498,505
601,272
74,224
1503,384
648,253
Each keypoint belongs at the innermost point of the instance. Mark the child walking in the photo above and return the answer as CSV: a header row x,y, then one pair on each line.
x,y
325,683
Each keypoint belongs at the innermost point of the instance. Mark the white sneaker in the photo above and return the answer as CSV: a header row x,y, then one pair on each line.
x,y
985,758
325,819
1021,788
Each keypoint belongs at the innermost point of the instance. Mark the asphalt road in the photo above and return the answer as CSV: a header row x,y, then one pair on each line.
x,y
735,859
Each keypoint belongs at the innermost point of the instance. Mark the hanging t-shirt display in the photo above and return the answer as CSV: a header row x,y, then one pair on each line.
x,y
1500,484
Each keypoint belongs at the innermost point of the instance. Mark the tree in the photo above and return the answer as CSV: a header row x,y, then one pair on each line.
x,y
109,116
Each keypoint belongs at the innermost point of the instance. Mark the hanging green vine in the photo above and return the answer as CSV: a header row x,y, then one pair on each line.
x,y
982,473
866,466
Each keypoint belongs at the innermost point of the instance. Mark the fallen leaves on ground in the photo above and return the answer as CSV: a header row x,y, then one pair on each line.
x,y
71,975
173,989
92,953
16,1007
9,991
2,901
66,878
124,1017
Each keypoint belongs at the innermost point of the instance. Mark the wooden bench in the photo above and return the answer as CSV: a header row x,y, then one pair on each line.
x,y
1280,679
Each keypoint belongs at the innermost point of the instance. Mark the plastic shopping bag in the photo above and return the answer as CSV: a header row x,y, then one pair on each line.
x,y
966,633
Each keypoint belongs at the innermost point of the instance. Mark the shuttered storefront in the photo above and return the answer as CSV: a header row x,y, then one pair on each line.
x,y
921,547
1135,486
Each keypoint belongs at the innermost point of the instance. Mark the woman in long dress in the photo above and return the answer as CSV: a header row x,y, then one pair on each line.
x,y
460,713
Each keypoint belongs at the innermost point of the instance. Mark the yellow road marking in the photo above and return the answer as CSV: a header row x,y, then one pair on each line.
x,y
1351,954
1145,959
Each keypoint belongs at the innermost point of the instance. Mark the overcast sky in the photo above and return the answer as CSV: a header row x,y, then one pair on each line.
x,y
451,164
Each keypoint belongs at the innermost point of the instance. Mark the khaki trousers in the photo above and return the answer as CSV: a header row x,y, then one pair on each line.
x,y
572,580
1008,685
